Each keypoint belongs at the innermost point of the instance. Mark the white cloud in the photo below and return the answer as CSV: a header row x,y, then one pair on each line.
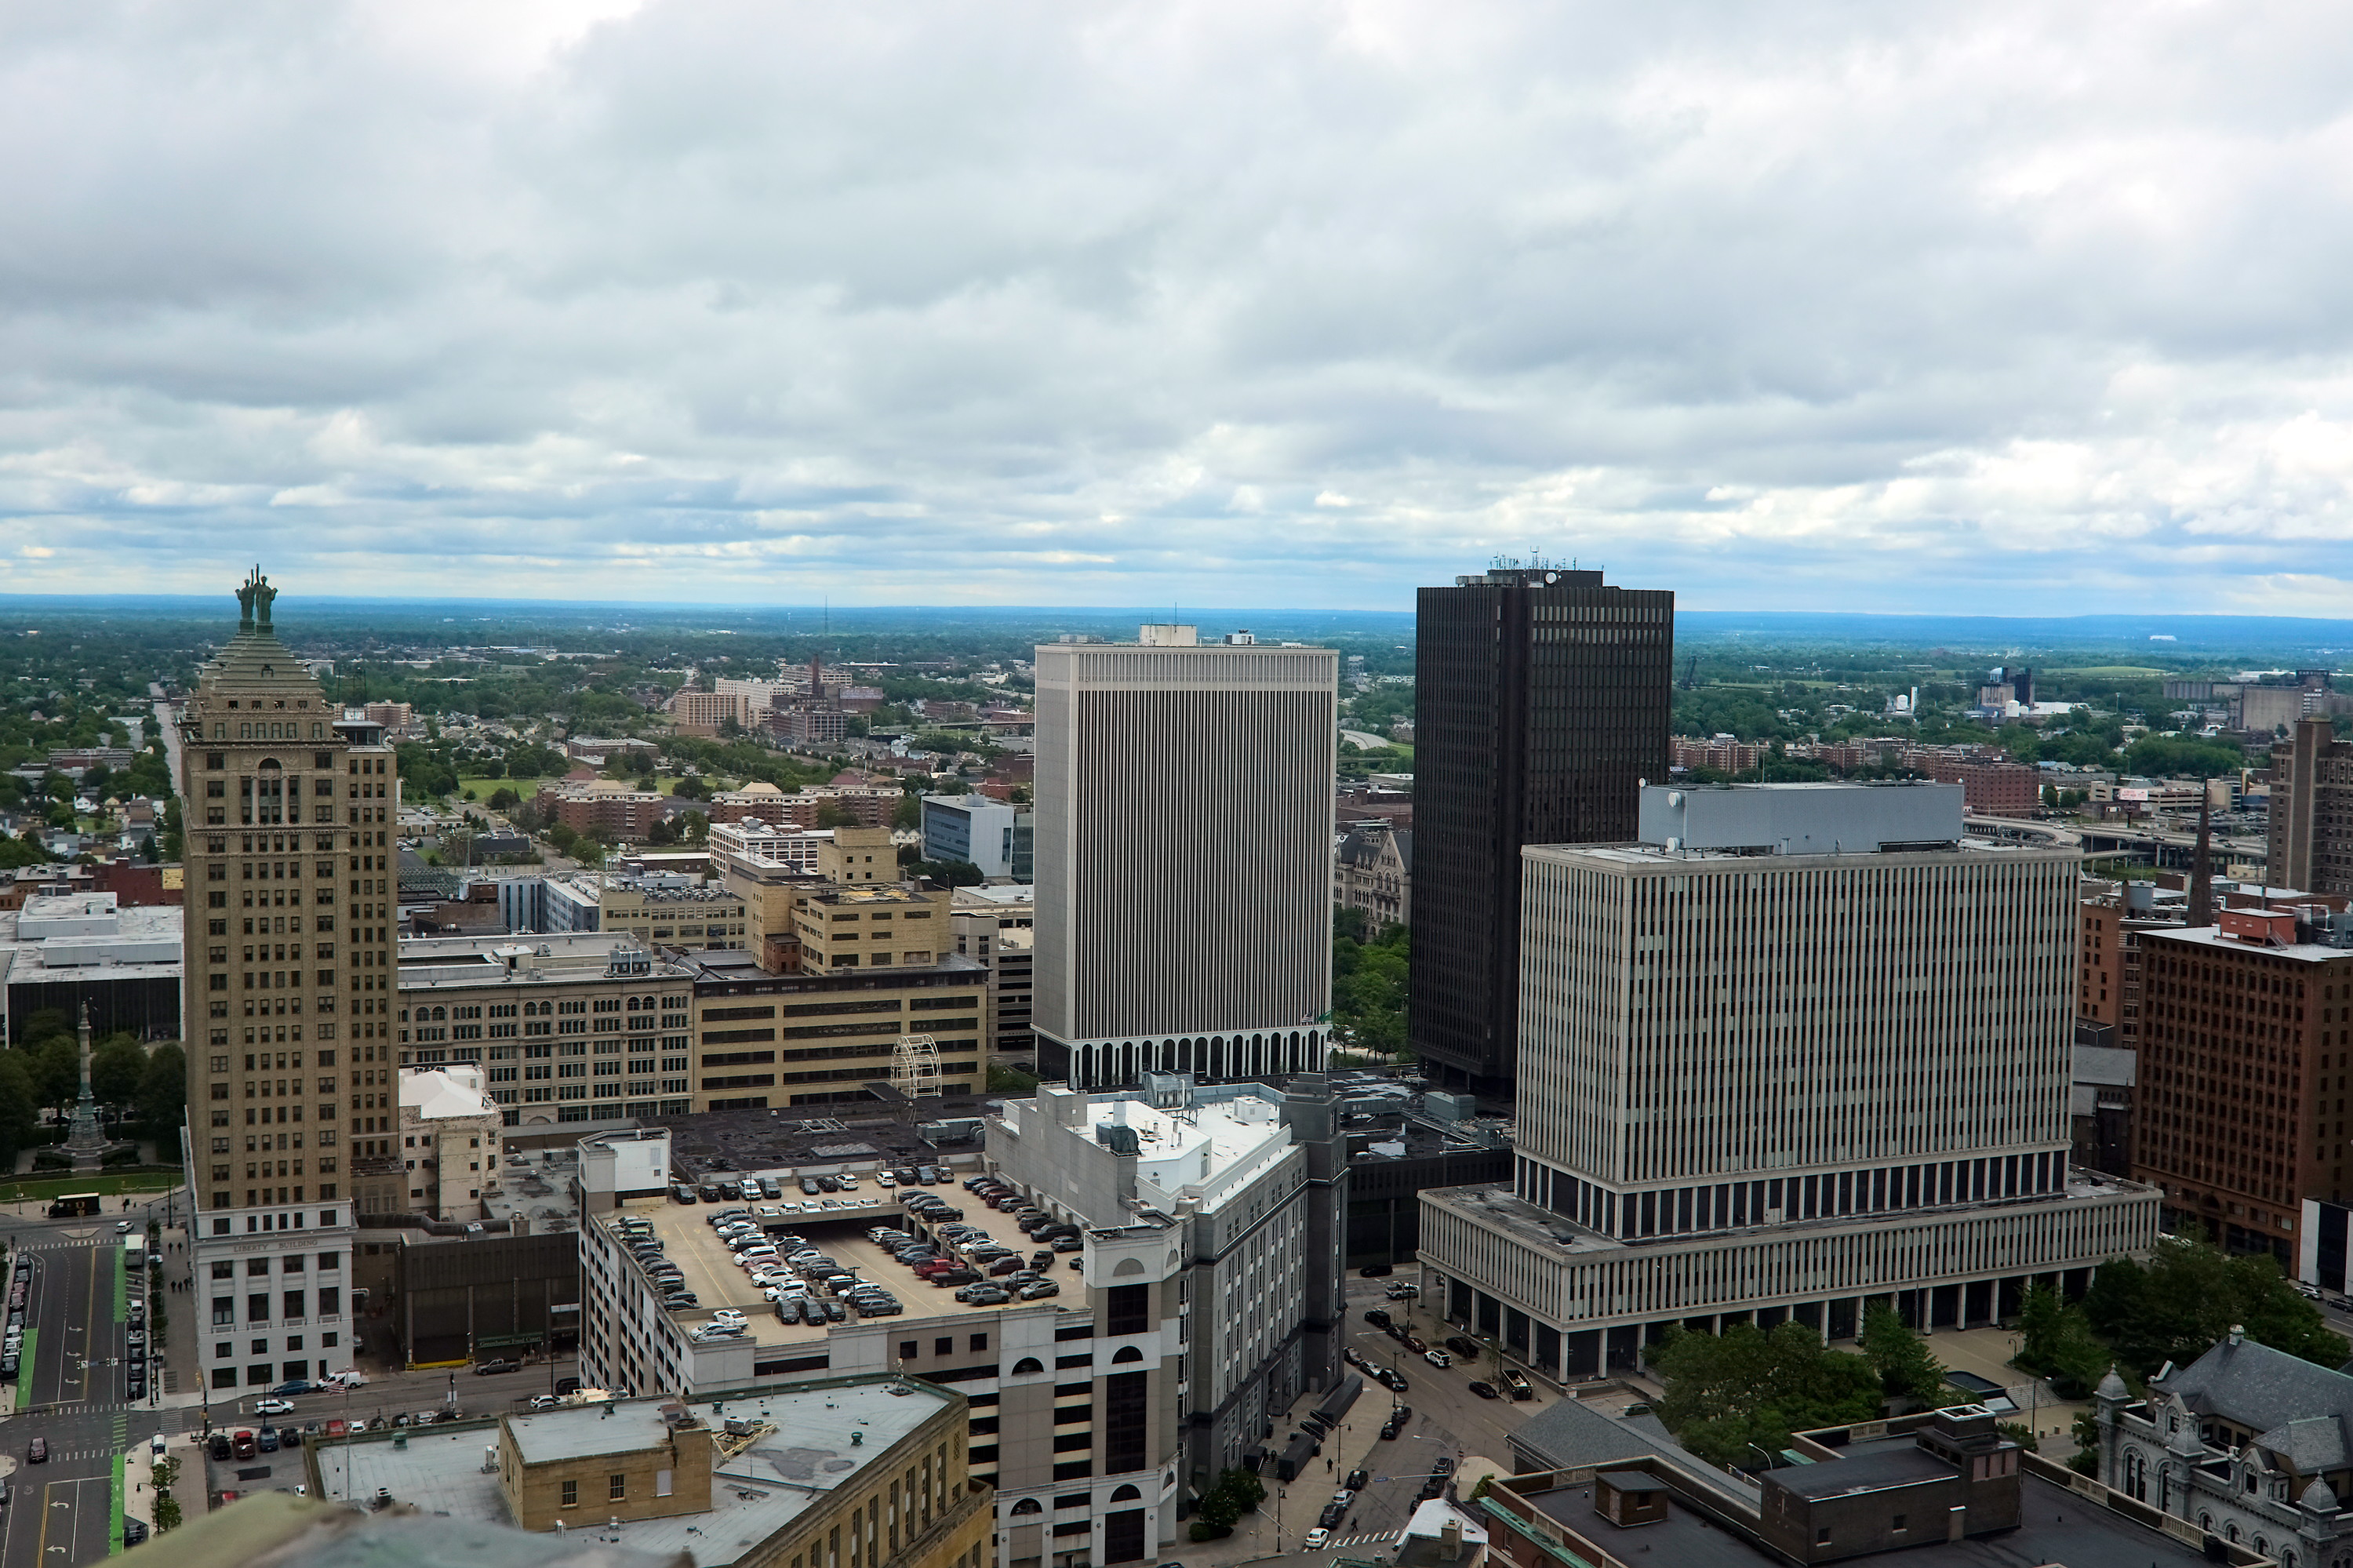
x,y
2010,308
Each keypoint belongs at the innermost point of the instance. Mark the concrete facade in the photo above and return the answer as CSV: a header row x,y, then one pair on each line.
x,y
1232,1196
1683,1014
1183,853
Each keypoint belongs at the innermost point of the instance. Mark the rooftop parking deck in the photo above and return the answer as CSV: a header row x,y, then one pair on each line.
x,y
690,1241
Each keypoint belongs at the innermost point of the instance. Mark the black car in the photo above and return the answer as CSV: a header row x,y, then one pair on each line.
x,y
1443,1465
682,1194
218,1444
808,1186
1374,1270
1332,1514
490,1368
1358,1481
1377,1318
1485,1391
1392,1380
712,1192
134,1531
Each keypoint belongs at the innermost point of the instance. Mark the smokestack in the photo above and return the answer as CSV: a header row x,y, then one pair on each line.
x,y
2201,868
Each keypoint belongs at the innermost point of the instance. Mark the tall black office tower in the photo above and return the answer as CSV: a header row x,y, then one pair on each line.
x,y
1541,700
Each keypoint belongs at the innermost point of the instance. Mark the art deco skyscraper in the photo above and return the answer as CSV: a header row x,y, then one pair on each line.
x,y
1184,857
290,910
1541,702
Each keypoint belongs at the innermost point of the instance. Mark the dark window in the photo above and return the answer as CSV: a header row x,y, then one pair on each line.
x,y
1074,1443
1063,1363
1076,1470
908,1349
1125,1410
944,1346
980,1341
1128,1309
1123,1535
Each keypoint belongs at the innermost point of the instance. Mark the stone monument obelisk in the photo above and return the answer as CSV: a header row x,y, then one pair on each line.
x,y
85,1144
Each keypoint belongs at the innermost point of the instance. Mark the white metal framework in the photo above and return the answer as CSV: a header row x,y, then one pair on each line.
x,y
915,1065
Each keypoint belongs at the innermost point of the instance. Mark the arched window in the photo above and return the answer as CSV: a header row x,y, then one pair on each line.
x,y
1127,1494
1027,1505
1027,1364
1127,1354
1128,1266
633,1004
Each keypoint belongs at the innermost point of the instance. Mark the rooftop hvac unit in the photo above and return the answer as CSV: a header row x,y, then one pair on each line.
x,y
1118,1137
1442,1107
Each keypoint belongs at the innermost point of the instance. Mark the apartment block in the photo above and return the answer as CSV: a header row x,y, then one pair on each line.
x,y
1541,700
586,1027
2239,1116
289,917
1794,1050
1184,845
607,807
1072,1403
708,712
2311,824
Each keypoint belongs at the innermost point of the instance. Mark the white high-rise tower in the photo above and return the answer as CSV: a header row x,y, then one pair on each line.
x,y
1184,857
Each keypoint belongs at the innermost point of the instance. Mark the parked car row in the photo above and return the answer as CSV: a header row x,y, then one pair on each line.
x,y
755,1189
981,1270
798,1280
12,1348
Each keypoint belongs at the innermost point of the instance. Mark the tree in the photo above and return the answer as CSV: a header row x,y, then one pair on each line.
x,y
1368,984
1745,1389
830,815
2057,1343
20,1105
503,799
2188,1297
908,814
116,1069
55,1065
1906,1370
2085,1459
163,1095
661,832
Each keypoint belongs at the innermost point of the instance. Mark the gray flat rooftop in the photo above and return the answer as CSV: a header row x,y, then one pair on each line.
x,y
2055,1527
805,1451
1499,1207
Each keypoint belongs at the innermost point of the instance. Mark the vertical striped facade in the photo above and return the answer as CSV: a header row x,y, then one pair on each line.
x,y
1708,1019
1763,1088
1184,851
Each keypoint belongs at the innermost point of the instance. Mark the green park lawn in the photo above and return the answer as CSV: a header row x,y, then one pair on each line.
x,y
42,1189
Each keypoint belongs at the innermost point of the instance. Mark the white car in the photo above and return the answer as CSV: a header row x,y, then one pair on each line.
x,y
1317,1539
729,1315
347,1378
849,1182
273,1407
884,1179
1438,1358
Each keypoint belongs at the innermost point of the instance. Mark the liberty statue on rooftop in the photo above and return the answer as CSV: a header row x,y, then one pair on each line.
x,y
253,600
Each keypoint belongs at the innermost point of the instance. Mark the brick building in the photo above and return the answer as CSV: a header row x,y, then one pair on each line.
x,y
2240,1114
2311,830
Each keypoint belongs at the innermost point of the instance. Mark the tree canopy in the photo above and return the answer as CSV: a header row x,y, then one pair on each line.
x,y
1746,1389
1369,983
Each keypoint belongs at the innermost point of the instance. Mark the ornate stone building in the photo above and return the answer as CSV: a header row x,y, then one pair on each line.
x,y
2247,1444
290,917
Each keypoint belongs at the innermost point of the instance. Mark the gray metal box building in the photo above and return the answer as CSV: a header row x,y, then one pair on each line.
x,y
1800,818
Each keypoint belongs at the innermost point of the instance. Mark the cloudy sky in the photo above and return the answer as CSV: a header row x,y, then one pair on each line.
x,y
2000,308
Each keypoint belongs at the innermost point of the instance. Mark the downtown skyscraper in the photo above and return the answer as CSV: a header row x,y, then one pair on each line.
x,y
1542,701
290,914
1184,857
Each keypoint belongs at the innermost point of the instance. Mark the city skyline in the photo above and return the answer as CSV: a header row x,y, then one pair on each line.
x,y
693,302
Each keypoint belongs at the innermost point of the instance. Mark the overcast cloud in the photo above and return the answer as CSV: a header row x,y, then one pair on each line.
x,y
1996,308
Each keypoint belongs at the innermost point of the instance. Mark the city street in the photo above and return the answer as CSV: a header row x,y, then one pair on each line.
x,y
67,1509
